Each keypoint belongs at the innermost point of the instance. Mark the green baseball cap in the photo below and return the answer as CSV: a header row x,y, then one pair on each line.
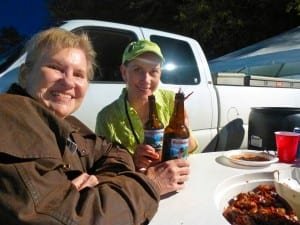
x,y
136,48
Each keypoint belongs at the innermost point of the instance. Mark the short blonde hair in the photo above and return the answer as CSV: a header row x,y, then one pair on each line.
x,y
55,39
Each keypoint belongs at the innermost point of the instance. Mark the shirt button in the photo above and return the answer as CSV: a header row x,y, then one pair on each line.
x,y
83,151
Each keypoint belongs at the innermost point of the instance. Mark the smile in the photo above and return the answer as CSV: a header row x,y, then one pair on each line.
x,y
62,96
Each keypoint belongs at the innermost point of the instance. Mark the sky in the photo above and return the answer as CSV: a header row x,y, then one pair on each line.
x,y
27,16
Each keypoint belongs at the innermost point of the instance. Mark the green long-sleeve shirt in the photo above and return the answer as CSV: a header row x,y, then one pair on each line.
x,y
112,121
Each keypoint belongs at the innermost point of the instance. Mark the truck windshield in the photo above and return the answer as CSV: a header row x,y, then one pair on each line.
x,y
8,57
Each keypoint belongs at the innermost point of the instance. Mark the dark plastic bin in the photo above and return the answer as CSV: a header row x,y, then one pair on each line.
x,y
264,121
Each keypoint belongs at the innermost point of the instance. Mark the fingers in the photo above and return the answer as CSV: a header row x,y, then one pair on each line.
x,y
146,151
180,162
85,180
142,164
144,155
78,181
92,181
170,175
178,167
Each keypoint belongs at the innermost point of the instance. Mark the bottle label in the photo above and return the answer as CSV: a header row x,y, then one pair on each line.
x,y
154,138
179,148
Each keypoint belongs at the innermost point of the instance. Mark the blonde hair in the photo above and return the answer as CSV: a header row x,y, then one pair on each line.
x,y
55,39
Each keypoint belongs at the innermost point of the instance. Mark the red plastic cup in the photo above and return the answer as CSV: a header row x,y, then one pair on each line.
x,y
287,145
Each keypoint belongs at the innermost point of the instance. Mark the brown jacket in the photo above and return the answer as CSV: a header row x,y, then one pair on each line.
x,y
37,164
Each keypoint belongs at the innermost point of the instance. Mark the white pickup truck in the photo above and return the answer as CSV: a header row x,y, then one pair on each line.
x,y
219,106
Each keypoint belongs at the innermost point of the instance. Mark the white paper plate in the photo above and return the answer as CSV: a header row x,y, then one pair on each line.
x,y
232,186
287,187
250,157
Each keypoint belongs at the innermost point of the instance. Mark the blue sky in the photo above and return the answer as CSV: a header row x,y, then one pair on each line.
x,y
27,16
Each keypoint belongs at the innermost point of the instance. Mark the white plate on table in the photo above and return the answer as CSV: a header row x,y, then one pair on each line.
x,y
250,157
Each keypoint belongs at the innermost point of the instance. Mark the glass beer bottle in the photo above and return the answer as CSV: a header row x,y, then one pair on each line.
x,y
153,128
176,135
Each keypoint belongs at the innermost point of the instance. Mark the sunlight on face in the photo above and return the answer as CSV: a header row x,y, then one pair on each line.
x,y
59,80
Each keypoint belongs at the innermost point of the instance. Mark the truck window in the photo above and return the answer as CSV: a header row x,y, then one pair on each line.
x,y
180,66
109,45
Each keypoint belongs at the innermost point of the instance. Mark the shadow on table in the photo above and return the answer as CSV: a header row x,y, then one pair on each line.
x,y
226,162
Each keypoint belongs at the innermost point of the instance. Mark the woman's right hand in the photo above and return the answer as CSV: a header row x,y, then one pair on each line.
x,y
170,175
143,156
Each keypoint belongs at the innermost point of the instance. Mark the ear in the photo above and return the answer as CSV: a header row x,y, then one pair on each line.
x,y
23,75
123,72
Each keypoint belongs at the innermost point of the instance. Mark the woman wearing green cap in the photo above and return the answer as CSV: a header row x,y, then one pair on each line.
x,y
123,120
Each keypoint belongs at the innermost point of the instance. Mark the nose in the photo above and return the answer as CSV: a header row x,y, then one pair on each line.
x,y
68,79
145,76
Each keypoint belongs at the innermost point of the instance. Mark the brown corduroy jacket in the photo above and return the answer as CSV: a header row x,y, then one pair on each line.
x,y
39,156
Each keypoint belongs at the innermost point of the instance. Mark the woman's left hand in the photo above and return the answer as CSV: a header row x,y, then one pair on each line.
x,y
143,156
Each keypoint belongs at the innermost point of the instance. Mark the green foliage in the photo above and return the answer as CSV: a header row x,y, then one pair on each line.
x,y
294,7
220,26
148,13
224,26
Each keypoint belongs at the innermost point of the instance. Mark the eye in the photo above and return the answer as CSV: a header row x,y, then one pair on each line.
x,y
80,74
137,69
155,72
54,67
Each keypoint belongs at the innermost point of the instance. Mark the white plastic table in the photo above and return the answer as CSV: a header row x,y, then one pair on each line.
x,y
199,203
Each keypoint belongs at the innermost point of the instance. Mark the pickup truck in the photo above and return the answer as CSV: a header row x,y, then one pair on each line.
x,y
220,105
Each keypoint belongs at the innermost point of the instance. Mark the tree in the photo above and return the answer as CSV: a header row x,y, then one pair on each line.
x,y
220,26
224,26
156,14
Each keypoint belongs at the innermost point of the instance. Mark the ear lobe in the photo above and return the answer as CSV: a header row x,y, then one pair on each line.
x,y
22,75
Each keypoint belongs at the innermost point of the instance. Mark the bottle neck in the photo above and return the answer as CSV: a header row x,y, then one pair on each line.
x,y
152,108
153,122
179,109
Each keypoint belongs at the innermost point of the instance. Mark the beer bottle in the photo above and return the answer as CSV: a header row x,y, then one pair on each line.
x,y
176,134
153,128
